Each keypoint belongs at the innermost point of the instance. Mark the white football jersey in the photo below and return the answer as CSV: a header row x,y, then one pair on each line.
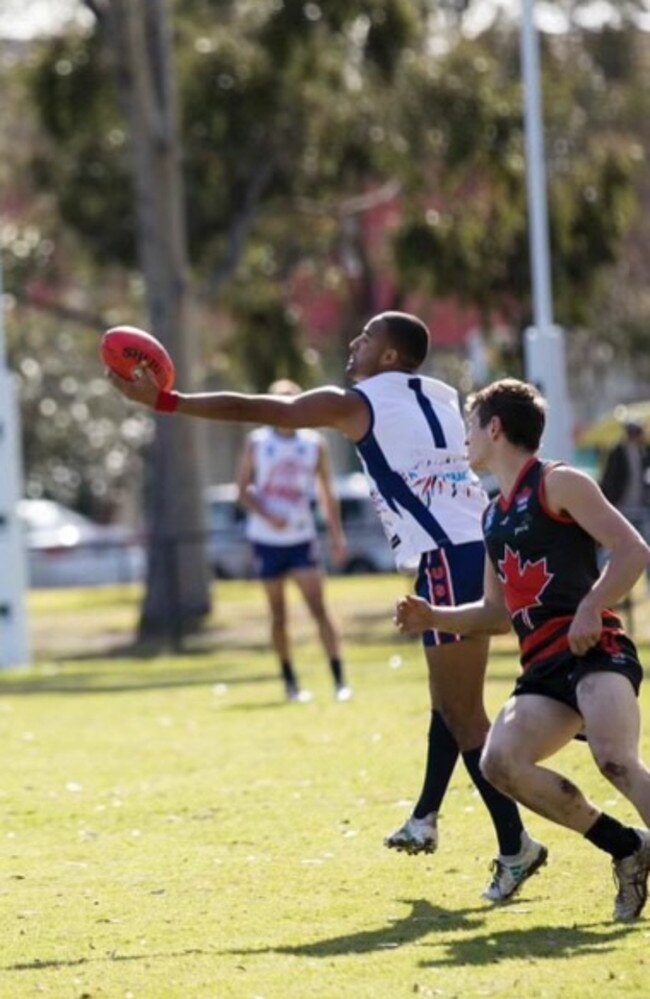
x,y
415,458
284,477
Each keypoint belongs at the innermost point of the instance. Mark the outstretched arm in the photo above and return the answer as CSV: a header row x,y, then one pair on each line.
x,y
488,616
325,407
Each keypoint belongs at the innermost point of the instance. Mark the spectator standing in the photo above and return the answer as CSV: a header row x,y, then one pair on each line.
x,y
626,477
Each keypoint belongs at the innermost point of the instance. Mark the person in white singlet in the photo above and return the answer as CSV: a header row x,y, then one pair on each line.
x,y
409,433
280,472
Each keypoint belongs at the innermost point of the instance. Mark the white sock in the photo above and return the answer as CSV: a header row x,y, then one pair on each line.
x,y
512,860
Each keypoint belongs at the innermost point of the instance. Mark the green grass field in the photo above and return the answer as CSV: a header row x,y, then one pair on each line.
x,y
171,828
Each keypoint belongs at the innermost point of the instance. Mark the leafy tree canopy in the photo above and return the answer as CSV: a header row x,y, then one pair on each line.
x,y
292,112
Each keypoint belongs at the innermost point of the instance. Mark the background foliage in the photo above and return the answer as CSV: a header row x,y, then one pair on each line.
x,y
302,123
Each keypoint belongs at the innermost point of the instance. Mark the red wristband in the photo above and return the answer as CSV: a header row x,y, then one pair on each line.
x,y
167,402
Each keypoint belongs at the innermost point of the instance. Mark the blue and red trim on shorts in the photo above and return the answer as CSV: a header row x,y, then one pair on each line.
x,y
450,576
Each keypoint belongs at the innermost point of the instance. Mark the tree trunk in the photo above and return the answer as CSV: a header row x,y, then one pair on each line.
x,y
177,594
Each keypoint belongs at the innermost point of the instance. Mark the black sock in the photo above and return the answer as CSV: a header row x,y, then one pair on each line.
x,y
610,835
503,811
288,675
442,753
336,667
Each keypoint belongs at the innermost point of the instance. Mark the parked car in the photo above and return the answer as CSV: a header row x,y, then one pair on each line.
x,y
368,549
230,554
64,548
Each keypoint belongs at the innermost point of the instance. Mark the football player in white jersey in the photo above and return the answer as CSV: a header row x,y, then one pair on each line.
x,y
280,471
409,432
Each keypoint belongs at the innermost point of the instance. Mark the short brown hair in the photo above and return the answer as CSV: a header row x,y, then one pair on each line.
x,y
519,405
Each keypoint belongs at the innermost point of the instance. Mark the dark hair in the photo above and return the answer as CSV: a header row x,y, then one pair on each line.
x,y
520,407
634,430
408,335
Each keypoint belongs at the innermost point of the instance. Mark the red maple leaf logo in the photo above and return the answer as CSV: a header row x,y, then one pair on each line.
x,y
524,584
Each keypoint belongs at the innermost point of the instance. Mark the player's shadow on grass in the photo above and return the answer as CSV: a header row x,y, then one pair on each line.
x,y
476,948
422,920
38,964
526,944
192,647
119,681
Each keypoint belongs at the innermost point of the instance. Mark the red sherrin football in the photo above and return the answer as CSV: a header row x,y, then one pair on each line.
x,y
125,348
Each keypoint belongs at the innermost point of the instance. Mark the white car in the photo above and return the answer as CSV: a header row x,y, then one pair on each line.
x,y
65,548
368,550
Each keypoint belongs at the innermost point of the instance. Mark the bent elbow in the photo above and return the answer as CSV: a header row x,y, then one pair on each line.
x,y
641,555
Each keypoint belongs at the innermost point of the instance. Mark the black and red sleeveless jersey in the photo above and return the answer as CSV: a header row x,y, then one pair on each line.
x,y
546,562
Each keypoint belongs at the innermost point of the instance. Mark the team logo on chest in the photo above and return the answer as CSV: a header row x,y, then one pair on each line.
x,y
524,583
522,498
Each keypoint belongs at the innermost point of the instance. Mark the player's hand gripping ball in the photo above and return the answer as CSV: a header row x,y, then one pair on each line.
x,y
126,350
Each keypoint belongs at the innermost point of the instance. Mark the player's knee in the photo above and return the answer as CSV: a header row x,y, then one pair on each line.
x,y
617,767
453,720
470,736
497,768
278,621
319,613
469,730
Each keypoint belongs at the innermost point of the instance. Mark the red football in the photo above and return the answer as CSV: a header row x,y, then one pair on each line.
x,y
125,348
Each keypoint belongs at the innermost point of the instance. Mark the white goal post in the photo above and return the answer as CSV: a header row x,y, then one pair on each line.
x,y
14,642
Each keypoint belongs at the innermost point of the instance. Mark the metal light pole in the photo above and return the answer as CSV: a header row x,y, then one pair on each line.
x,y
544,342
14,644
